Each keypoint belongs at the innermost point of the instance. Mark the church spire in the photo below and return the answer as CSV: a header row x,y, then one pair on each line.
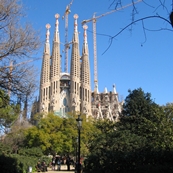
x,y
85,44
55,69
75,22
75,35
56,35
75,70
85,77
45,75
47,45
85,27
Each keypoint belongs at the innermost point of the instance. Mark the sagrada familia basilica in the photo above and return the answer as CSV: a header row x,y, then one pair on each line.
x,y
63,92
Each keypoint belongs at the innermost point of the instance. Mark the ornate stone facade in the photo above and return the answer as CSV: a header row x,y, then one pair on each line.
x,y
63,92
106,105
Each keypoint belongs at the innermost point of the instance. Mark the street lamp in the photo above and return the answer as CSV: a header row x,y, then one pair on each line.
x,y
76,148
79,125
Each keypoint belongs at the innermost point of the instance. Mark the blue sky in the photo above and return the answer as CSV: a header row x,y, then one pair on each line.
x,y
133,60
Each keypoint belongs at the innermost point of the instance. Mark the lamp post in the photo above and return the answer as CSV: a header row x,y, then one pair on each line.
x,y
79,125
76,148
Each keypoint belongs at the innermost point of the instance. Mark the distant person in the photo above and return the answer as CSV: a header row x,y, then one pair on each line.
x,y
38,167
44,166
53,163
58,162
68,163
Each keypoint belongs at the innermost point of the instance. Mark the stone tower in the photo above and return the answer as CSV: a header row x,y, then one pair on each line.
x,y
55,70
45,75
85,88
75,70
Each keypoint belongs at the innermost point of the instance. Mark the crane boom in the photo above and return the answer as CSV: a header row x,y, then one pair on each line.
x,y
109,12
67,12
94,19
95,53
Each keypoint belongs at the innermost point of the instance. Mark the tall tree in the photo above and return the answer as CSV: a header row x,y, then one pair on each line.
x,y
137,143
142,116
18,43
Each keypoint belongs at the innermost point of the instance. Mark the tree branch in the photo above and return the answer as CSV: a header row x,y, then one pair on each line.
x,y
133,22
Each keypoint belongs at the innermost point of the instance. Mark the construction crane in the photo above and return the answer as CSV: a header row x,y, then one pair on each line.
x,y
94,19
66,45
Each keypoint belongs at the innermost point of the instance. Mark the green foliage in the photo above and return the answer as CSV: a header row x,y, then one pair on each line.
x,y
33,152
5,149
147,120
16,163
140,142
8,112
19,163
57,135
168,109
4,99
138,103
37,117
46,159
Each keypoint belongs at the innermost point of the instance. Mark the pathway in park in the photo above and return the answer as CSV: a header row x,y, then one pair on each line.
x,y
63,170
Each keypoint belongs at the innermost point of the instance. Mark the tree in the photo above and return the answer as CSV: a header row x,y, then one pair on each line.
x,y
15,137
8,112
56,135
17,40
168,109
143,117
137,143
18,43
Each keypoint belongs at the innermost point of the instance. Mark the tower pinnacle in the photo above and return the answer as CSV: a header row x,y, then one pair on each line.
x,y
47,33
85,44
56,35
47,46
57,22
75,22
85,76
114,89
85,27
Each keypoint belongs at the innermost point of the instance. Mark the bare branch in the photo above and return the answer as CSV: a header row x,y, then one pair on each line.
x,y
144,33
141,19
16,40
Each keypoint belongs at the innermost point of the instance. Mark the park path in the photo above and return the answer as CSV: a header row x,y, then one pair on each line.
x,y
63,169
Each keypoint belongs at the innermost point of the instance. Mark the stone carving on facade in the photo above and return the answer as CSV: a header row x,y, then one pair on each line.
x,y
53,102
74,102
107,114
85,111
99,114
106,98
43,107
63,94
97,98
113,98
64,102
